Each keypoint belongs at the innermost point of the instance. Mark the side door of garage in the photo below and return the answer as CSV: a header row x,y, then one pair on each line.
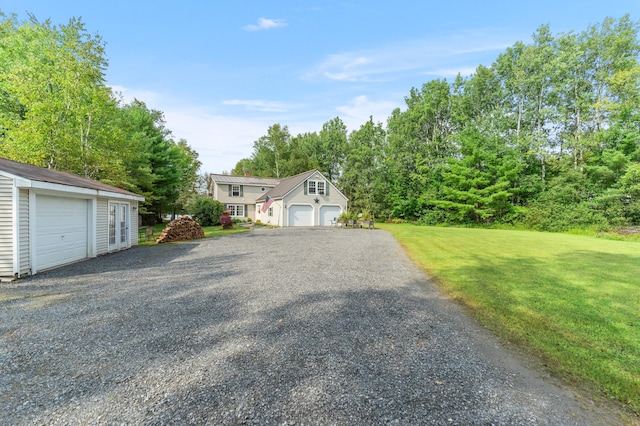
x,y
118,226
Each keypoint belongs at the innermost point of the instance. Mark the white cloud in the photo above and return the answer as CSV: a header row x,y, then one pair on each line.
x,y
260,105
127,95
358,110
265,24
220,140
455,51
451,72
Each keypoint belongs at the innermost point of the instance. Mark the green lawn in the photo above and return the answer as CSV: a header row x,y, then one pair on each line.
x,y
209,231
571,300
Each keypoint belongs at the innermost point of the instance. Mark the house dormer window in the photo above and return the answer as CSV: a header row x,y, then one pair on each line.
x,y
316,187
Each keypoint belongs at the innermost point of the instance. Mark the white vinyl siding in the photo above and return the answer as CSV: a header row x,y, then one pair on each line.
x,y
102,224
133,223
6,227
25,263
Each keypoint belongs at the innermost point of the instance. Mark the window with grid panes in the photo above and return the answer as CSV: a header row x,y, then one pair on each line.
x,y
235,210
316,187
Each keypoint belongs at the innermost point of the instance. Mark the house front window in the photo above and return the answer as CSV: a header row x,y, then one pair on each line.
x,y
316,187
235,190
270,212
235,210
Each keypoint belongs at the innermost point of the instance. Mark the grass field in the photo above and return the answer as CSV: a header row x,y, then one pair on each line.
x,y
572,301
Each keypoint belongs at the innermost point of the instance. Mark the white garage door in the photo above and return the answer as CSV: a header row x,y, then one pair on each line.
x,y
300,216
62,229
328,214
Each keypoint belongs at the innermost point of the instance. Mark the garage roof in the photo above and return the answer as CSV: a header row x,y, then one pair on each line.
x,y
40,174
287,185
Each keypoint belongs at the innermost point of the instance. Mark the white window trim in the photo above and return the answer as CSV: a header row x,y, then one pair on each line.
x,y
233,210
316,188
233,190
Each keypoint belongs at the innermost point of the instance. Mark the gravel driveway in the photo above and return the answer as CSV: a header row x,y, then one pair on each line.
x,y
275,326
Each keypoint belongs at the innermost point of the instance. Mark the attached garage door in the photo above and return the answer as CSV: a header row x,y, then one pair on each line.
x,y
61,231
328,214
300,216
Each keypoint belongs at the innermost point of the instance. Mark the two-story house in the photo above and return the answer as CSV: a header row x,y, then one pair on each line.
x,y
307,199
239,193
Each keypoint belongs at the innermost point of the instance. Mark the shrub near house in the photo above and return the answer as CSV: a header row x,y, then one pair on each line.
x,y
206,211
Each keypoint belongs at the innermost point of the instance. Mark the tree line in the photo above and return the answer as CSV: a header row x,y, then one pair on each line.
x,y
56,111
548,137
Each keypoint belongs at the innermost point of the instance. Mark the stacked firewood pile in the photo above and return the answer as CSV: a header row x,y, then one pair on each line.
x,y
181,229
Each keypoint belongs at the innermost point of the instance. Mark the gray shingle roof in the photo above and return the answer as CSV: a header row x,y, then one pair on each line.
x,y
287,185
40,174
245,180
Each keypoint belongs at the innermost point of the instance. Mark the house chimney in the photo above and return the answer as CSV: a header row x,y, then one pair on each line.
x,y
247,173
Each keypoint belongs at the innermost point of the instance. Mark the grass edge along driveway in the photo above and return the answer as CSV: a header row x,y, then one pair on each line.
x,y
572,301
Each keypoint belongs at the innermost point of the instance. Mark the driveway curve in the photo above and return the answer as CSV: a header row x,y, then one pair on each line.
x,y
275,326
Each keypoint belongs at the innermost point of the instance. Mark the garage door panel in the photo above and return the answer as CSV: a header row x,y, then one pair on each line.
x,y
300,216
328,214
61,231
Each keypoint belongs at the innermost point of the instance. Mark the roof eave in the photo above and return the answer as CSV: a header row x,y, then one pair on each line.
x,y
48,186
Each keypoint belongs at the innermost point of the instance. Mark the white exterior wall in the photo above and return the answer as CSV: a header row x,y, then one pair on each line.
x,y
133,223
23,238
250,194
102,226
214,190
6,227
275,219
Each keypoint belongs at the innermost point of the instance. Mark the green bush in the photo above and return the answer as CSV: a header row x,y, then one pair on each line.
x,y
206,211
555,217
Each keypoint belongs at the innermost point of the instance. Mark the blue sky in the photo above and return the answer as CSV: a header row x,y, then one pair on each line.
x,y
223,72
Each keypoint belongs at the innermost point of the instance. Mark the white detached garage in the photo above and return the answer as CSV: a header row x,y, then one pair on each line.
x,y
50,218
